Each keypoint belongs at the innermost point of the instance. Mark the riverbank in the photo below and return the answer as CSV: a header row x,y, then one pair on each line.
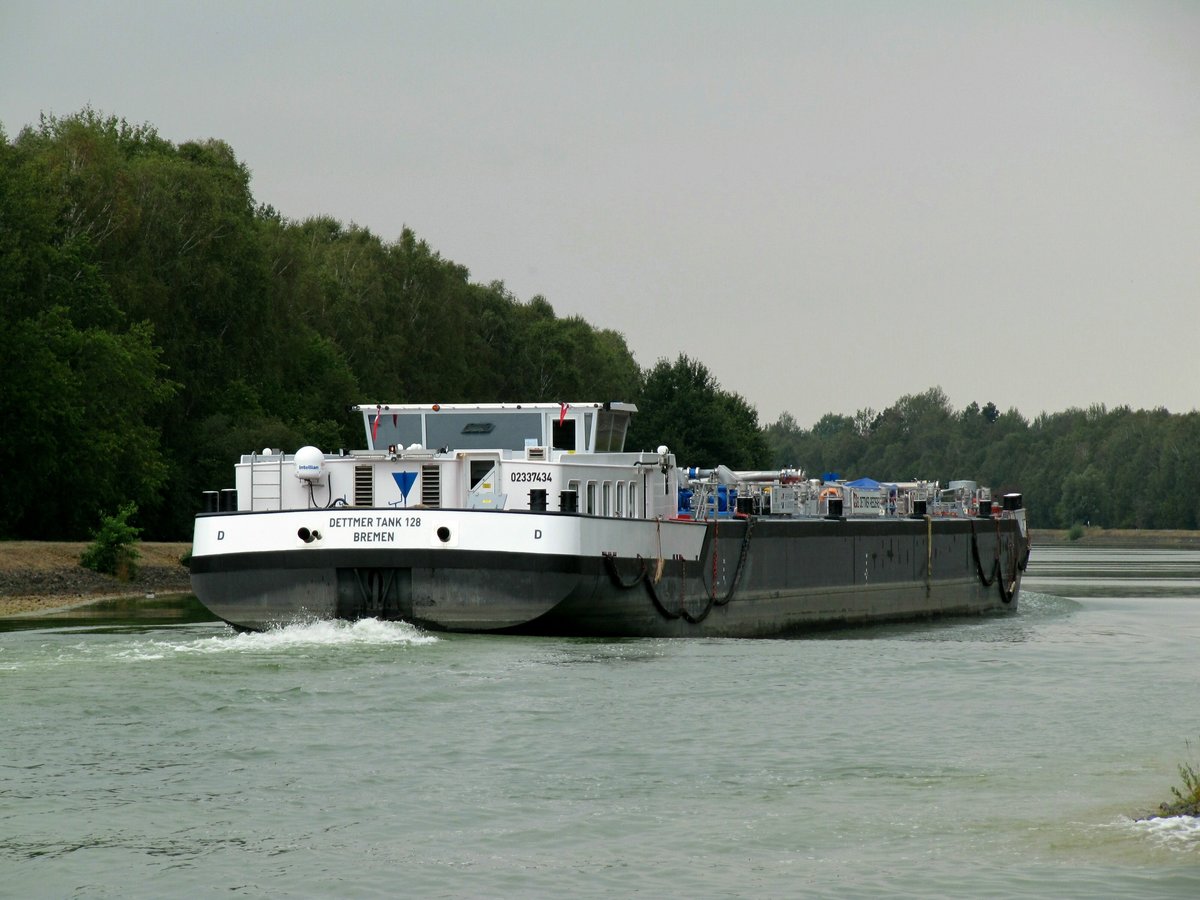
x,y
39,576
1132,538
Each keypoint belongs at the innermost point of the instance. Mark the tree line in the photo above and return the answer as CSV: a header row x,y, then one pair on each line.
x,y
157,322
1113,468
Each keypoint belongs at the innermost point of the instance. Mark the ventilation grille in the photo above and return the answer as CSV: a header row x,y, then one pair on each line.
x,y
535,453
431,486
364,485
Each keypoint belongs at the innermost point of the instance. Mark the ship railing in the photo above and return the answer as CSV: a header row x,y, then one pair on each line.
x,y
708,499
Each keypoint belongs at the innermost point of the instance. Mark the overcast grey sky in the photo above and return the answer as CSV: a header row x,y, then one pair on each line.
x,y
830,204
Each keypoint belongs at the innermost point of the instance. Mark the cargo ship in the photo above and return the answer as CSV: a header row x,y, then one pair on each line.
x,y
533,518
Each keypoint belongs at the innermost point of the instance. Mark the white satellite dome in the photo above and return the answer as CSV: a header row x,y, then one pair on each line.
x,y
309,463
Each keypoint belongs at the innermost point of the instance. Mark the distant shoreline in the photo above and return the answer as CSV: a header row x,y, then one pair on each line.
x,y
1133,538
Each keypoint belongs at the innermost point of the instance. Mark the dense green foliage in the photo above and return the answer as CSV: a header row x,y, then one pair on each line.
x,y
114,545
682,406
156,322
1118,468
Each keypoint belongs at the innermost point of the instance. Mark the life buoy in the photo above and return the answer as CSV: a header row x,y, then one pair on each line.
x,y
830,492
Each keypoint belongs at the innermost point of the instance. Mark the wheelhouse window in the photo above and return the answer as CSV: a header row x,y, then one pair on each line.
x,y
610,430
563,434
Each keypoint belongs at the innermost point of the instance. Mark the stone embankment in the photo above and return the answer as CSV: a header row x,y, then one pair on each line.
x,y
41,575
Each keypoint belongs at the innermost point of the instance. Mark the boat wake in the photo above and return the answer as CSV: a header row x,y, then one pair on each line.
x,y
329,633
297,636
1042,605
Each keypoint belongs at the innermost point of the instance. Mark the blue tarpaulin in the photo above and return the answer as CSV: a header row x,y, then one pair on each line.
x,y
867,483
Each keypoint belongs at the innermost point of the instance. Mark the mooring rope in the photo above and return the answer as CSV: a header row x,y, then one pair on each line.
x,y
716,550
985,580
658,566
1006,592
1024,560
737,572
928,549
610,565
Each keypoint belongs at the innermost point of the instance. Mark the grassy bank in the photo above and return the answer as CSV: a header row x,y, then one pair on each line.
x,y
42,575
45,555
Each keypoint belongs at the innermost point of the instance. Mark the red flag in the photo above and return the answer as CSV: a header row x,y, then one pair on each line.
x,y
562,412
375,427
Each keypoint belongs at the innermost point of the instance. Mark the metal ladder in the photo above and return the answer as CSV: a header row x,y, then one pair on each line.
x,y
266,481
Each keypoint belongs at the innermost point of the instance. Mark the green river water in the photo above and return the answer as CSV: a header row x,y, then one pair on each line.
x,y
151,753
